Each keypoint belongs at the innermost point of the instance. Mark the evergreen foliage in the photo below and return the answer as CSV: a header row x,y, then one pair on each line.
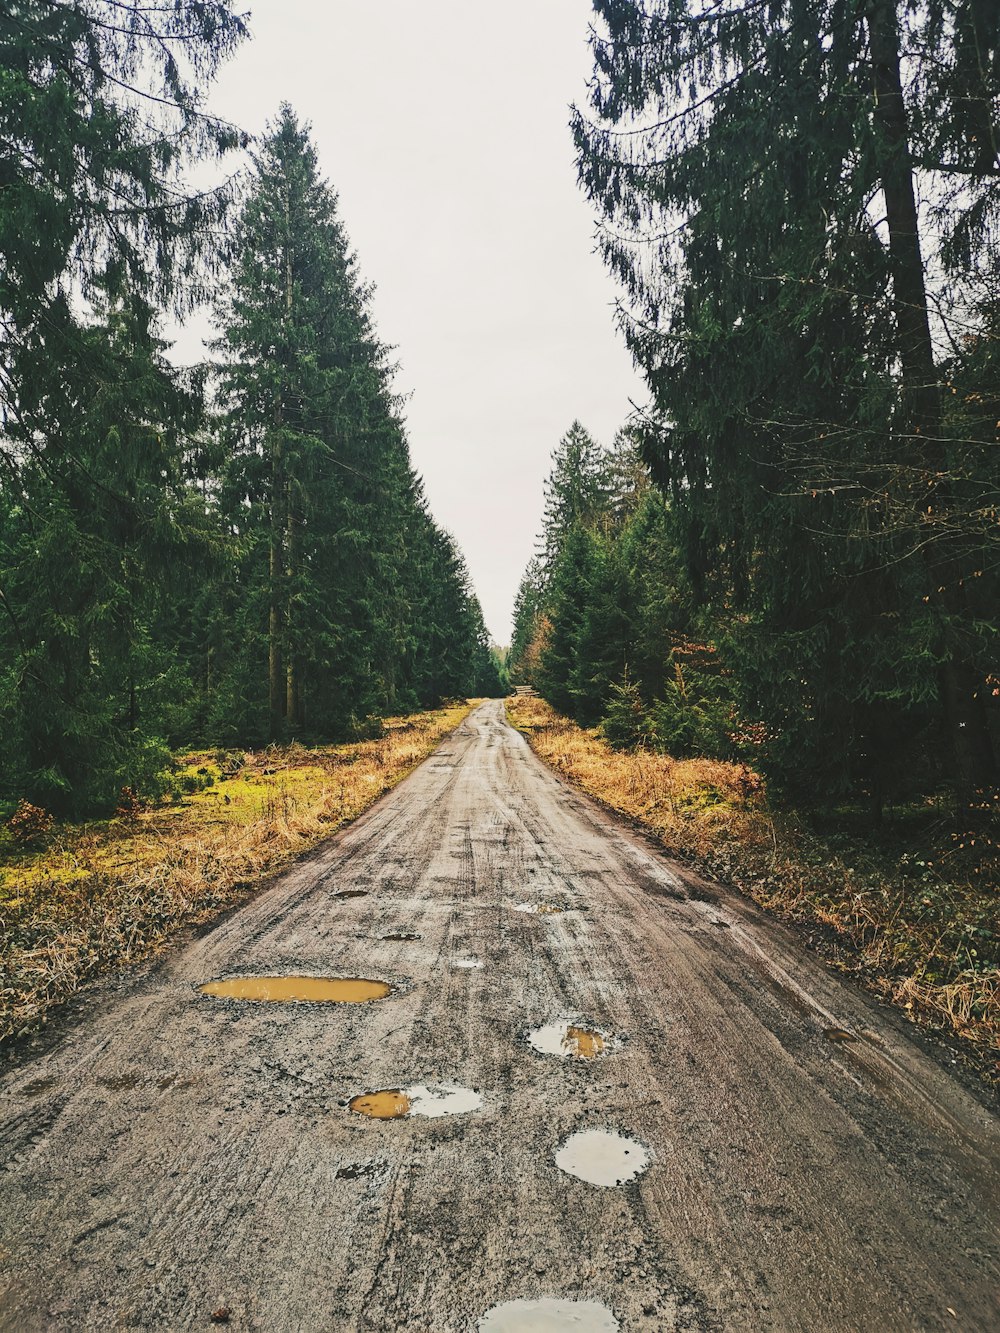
x,y
756,171
609,635
99,118
168,574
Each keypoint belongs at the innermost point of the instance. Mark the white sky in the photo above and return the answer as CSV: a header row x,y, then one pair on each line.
x,y
443,126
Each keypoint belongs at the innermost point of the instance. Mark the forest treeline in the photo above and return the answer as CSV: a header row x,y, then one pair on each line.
x,y
227,554
801,202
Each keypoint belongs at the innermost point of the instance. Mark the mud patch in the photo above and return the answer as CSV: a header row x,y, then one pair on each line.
x,y
549,1316
119,1082
39,1085
173,1081
434,1100
602,1157
313,990
568,1040
359,1170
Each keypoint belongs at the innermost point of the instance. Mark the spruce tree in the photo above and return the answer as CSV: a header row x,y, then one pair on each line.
x,y
314,437
100,116
787,349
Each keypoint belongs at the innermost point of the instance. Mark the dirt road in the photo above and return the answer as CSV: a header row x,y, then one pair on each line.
x,y
787,1157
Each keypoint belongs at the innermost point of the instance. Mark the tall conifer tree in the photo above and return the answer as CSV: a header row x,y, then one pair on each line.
x,y
784,334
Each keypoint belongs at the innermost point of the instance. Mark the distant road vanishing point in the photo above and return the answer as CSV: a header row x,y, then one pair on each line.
x,y
490,1061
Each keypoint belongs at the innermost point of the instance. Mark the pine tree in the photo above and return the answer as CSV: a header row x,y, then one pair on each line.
x,y
574,492
312,426
99,119
364,604
528,605
788,352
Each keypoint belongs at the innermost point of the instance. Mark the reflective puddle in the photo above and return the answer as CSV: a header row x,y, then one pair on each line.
x,y
539,909
601,1157
318,990
467,964
434,1100
389,1104
549,1316
567,1039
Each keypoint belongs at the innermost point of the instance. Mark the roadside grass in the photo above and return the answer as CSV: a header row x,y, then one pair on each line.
x,y
915,932
108,894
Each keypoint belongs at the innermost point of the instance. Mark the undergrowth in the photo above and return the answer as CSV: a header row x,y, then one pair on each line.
x,y
78,899
916,933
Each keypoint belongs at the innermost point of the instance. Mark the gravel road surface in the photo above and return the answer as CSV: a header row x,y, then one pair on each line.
x,y
629,1101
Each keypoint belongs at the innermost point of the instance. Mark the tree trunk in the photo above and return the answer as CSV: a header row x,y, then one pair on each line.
x,y
974,761
290,684
275,590
292,710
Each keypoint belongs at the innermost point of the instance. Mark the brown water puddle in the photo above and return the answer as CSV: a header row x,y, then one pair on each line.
x,y
583,1042
569,1040
390,1104
434,1100
318,990
401,935
352,893
838,1034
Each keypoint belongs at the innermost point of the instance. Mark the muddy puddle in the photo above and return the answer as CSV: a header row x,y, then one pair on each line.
x,y
467,964
540,909
838,1034
434,1100
352,893
389,1104
315,990
549,1316
569,1040
401,935
602,1157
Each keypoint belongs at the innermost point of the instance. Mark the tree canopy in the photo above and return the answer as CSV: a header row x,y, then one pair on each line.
x,y
190,557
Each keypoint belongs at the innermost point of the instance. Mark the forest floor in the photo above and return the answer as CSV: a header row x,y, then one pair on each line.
x,y
880,908
106,894
488,1059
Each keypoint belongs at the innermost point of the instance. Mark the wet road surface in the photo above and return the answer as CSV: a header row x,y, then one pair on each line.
x,y
596,1090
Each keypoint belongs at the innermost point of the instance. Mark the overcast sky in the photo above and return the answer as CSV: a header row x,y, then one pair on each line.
x,y
443,126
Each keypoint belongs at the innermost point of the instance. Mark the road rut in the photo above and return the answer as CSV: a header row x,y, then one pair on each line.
x,y
176,1154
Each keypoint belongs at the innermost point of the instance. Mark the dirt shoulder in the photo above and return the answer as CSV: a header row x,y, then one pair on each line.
x,y
909,935
106,895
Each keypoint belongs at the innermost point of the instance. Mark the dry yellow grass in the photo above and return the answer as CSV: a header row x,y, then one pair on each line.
x,y
108,894
925,945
